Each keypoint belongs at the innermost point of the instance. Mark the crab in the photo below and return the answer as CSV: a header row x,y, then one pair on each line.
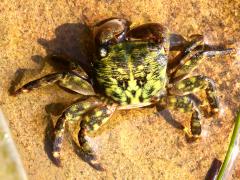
x,y
131,68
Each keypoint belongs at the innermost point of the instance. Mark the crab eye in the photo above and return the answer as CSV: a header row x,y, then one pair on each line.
x,y
103,52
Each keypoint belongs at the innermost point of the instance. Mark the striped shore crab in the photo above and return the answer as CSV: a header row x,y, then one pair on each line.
x,y
131,69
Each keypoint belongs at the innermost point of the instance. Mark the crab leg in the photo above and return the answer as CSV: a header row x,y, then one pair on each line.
x,y
194,51
178,43
68,80
70,64
91,122
194,84
185,104
192,59
73,113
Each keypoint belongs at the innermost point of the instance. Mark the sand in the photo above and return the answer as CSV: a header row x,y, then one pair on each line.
x,y
135,144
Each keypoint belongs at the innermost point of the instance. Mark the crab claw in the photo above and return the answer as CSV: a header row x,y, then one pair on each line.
x,y
112,30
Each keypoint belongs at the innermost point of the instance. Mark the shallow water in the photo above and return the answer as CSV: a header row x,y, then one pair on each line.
x,y
135,144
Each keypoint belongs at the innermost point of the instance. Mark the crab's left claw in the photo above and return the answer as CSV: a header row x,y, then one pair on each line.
x,y
112,30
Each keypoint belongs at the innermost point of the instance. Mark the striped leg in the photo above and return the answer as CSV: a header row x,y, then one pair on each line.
x,y
189,62
73,113
196,40
44,81
185,104
197,83
68,80
179,43
58,139
185,47
91,122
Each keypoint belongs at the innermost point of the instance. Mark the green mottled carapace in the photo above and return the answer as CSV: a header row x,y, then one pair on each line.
x,y
132,73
